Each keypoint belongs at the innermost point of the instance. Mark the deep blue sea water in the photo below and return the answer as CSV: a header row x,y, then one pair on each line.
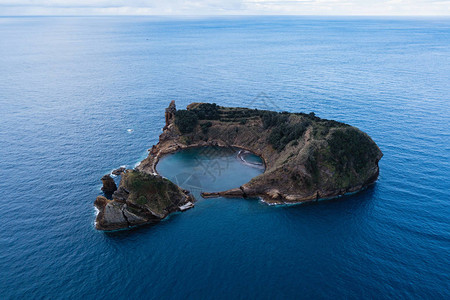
x,y
71,87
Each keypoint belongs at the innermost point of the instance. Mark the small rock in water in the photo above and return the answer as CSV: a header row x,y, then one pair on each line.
x,y
118,171
109,186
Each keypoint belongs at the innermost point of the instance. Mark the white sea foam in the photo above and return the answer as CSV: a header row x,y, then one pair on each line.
x,y
96,212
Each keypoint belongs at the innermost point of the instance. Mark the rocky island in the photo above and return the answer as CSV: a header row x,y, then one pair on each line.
x,y
140,199
306,158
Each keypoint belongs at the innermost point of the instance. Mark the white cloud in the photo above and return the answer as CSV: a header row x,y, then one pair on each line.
x,y
224,7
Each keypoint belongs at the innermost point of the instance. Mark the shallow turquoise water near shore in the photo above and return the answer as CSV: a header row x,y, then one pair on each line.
x,y
71,87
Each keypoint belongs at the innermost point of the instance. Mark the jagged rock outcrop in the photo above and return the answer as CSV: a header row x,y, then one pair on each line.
x,y
170,113
109,186
140,199
118,171
306,157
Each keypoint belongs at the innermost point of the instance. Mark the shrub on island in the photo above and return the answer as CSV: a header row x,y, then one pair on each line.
x,y
186,120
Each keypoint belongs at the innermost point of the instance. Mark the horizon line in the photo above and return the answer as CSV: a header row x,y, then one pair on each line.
x,y
223,15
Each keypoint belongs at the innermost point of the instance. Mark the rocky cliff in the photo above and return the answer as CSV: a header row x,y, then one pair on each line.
x,y
109,186
140,199
306,157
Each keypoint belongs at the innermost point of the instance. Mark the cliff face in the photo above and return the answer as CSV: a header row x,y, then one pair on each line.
x,y
306,157
109,186
140,199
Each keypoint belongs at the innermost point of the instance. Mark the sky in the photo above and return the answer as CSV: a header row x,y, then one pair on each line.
x,y
225,7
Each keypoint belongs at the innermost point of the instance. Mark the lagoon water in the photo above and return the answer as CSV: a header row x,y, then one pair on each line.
x,y
209,169
70,88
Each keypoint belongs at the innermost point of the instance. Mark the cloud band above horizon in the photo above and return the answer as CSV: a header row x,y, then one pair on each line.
x,y
225,7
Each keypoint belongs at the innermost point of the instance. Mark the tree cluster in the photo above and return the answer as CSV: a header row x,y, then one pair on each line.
x,y
273,119
351,146
284,133
205,127
207,111
186,120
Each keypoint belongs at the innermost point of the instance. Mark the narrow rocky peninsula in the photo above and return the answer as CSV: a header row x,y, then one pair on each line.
x,y
306,158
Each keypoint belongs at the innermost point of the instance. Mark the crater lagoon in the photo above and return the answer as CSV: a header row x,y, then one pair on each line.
x,y
210,169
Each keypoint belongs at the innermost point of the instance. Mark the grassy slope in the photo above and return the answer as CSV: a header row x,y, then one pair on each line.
x,y
150,192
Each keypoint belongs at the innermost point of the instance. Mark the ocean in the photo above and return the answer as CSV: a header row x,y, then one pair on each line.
x,y
72,87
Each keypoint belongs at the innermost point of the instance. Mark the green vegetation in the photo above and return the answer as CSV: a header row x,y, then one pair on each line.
x,y
150,191
142,183
273,119
205,127
186,120
284,127
351,147
141,200
212,111
284,133
207,111
239,115
312,165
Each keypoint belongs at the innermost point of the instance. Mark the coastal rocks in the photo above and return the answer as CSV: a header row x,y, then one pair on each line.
x,y
121,195
233,193
110,214
170,113
113,217
118,171
100,202
140,199
109,186
133,219
274,194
